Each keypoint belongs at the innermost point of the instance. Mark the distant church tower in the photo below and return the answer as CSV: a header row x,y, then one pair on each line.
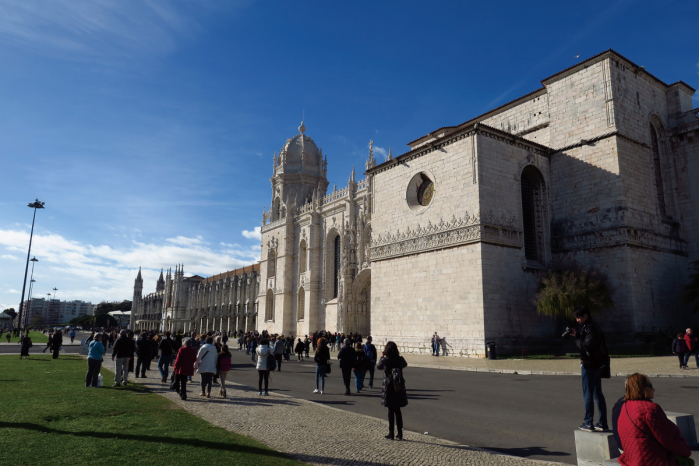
x,y
161,282
137,294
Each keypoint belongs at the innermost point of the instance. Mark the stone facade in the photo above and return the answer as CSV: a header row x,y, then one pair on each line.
x,y
592,169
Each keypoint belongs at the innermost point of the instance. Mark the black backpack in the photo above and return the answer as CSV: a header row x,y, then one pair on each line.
x,y
397,379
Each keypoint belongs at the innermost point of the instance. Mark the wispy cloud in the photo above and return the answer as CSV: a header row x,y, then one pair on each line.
x,y
100,272
381,151
254,234
90,29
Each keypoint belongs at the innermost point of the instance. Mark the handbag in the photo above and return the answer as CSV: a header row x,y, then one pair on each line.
x,y
271,363
680,460
328,367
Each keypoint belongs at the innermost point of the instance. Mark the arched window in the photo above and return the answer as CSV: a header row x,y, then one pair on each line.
x,y
271,263
533,214
276,209
301,311
269,306
302,257
659,189
336,271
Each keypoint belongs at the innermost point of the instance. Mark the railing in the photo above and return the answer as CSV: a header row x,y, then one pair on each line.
x,y
273,224
336,195
361,184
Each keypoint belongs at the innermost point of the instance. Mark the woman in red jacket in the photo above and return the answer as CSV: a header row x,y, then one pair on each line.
x,y
184,367
648,437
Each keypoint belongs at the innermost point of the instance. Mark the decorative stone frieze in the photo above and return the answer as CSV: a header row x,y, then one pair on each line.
x,y
616,226
488,228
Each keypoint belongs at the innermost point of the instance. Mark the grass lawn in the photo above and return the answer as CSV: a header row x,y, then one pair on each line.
x,y
37,338
48,417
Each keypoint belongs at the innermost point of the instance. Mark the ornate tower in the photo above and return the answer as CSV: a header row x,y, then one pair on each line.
x,y
137,295
161,282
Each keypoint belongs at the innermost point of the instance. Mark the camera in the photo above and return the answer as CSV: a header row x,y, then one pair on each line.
x,y
567,332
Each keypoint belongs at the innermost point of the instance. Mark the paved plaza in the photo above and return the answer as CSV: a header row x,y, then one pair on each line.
x,y
322,435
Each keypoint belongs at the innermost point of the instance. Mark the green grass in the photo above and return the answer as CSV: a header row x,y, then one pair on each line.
x,y
48,417
37,338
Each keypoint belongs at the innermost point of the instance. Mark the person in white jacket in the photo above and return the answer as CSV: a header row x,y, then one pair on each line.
x,y
263,354
206,365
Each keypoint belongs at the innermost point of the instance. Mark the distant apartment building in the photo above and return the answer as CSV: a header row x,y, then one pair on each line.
x,y
55,311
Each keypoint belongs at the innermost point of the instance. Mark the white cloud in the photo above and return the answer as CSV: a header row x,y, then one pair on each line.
x,y
12,291
381,151
255,234
184,241
100,272
9,257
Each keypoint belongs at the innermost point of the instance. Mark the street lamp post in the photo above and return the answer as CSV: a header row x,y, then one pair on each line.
x,y
34,205
33,260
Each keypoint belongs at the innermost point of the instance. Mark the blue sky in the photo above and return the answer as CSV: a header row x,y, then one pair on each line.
x,y
149,128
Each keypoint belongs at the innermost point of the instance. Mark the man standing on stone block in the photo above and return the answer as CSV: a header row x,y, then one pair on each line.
x,y
588,337
691,341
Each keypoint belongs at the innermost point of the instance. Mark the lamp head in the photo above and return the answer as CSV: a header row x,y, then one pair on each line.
x,y
34,259
36,204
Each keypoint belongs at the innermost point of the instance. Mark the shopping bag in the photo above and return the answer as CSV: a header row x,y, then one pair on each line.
x,y
99,380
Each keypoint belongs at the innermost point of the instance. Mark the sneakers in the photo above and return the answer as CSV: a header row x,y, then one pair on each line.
x,y
321,392
260,393
116,385
266,393
316,391
600,428
586,428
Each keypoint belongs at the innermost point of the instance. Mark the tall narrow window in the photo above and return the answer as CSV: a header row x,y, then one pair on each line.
x,y
269,306
659,190
336,272
271,264
301,311
302,257
533,214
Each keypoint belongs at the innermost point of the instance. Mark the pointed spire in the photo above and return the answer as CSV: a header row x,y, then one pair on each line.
x,y
390,154
352,176
139,274
371,161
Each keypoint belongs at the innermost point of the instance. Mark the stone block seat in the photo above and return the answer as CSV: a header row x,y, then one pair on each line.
x,y
594,448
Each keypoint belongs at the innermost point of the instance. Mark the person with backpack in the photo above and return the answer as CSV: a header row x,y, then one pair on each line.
x,y
679,347
223,365
26,344
393,393
321,358
347,356
593,358
206,365
264,357
371,356
359,368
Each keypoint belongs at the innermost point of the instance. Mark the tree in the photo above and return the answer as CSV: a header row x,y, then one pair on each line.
x,y
83,321
105,320
10,312
562,291
37,321
690,294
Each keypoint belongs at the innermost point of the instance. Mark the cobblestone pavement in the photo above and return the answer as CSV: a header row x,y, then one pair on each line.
x,y
659,366
336,437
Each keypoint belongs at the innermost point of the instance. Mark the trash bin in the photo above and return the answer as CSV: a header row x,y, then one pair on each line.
x,y
490,350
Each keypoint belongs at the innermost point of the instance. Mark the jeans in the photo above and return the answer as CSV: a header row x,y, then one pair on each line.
x,y
122,370
359,379
263,375
223,380
141,366
399,420
164,364
181,385
592,388
278,357
372,366
93,371
435,349
346,376
320,374
688,354
680,356
206,379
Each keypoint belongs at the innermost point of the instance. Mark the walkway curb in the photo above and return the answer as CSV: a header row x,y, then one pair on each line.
x,y
525,372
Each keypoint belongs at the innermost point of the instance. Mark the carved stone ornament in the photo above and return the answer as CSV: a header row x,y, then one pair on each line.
x,y
487,228
272,243
529,159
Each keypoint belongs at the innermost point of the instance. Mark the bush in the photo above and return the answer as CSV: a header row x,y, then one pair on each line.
x,y
562,291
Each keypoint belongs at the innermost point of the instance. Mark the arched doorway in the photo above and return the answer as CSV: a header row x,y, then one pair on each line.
x,y
359,317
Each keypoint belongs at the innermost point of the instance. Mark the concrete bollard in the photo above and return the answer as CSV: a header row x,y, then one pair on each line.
x,y
594,448
686,424
612,462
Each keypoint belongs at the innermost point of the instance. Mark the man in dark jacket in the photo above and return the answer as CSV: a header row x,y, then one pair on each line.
x,y
122,352
588,337
370,351
142,354
347,356
167,348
